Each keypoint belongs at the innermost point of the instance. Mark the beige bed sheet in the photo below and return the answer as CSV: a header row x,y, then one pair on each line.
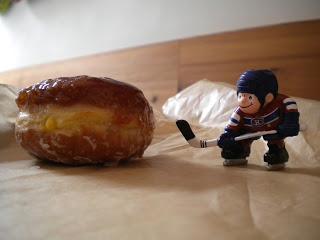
x,y
174,192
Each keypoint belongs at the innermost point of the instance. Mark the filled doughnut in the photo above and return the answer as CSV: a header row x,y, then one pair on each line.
x,y
84,120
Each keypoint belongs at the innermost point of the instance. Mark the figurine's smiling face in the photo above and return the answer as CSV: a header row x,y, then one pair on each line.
x,y
248,103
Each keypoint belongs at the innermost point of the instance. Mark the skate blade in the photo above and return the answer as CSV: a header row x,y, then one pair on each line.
x,y
275,167
235,162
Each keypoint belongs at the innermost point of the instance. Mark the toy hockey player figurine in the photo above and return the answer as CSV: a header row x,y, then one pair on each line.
x,y
261,108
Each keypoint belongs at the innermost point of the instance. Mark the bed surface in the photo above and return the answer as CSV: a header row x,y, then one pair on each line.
x,y
170,194
174,192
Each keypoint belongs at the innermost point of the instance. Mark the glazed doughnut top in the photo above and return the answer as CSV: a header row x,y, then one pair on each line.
x,y
66,91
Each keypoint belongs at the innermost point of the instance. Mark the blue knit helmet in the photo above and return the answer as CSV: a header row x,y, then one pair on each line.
x,y
259,83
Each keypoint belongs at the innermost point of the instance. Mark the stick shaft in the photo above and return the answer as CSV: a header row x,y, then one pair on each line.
x,y
187,132
195,142
252,135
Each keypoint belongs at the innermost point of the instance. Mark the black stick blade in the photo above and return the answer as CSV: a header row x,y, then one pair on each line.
x,y
185,129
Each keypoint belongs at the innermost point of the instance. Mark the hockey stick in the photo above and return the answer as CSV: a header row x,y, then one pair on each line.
x,y
188,134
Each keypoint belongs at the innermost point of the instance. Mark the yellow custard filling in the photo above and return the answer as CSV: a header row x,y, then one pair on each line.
x,y
72,119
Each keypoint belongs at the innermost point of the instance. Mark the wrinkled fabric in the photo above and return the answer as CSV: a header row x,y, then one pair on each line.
x,y
174,192
8,112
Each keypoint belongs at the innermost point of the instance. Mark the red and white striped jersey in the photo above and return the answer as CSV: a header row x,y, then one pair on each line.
x,y
268,118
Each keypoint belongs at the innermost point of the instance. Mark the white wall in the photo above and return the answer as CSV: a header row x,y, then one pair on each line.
x,y
39,31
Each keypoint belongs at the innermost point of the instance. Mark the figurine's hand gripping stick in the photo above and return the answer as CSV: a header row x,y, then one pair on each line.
x,y
188,134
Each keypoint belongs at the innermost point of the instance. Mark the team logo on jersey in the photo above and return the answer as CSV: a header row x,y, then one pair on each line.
x,y
257,122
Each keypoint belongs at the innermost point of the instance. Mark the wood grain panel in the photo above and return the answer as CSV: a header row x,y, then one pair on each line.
x,y
152,68
292,51
285,40
301,73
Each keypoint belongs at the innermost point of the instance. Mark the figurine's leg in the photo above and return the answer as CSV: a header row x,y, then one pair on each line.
x,y
277,155
236,153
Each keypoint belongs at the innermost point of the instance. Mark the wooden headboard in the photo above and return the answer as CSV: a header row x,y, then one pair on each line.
x,y
291,50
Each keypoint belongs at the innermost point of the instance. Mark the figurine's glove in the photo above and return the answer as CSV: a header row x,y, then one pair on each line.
x,y
288,130
272,137
226,140
290,127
